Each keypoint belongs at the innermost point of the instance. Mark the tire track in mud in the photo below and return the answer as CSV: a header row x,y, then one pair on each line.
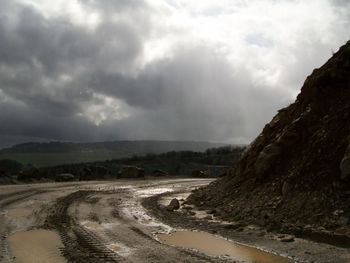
x,y
158,254
6,200
80,244
3,248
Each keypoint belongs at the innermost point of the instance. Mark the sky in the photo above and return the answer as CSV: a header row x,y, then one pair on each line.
x,y
209,70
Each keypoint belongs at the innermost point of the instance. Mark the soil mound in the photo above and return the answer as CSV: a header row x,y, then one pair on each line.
x,y
295,176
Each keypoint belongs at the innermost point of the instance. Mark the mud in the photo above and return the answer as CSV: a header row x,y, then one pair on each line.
x,y
215,246
18,213
119,221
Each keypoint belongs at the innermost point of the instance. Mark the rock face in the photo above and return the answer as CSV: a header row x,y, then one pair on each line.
x,y
297,171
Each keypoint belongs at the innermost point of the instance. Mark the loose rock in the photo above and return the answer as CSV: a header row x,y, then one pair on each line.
x,y
287,238
173,205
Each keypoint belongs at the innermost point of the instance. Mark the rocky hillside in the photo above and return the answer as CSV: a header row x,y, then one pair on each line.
x,y
295,176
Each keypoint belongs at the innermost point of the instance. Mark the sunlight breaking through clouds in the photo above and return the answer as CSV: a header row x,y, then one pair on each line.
x,y
104,108
160,69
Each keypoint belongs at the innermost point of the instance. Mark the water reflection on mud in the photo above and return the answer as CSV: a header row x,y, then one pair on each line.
x,y
36,246
215,246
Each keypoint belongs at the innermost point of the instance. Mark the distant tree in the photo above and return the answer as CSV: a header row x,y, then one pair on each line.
x,y
28,173
8,166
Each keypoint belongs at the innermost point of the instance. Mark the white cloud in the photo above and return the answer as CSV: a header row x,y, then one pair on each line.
x,y
270,38
103,108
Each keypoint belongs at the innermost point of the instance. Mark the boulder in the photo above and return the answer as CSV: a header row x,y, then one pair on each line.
x,y
266,158
173,205
191,213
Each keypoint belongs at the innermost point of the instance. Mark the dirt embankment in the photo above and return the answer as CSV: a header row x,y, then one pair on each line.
x,y
295,176
195,218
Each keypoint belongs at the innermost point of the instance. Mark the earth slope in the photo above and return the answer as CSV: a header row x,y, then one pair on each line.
x,y
295,176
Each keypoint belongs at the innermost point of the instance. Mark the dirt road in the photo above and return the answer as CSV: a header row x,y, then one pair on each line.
x,y
126,221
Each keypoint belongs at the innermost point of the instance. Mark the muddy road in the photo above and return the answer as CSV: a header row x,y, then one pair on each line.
x,y
127,221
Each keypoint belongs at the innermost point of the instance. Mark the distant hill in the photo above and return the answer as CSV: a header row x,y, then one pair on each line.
x,y
55,153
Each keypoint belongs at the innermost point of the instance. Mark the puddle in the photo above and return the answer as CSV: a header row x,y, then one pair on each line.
x,y
153,191
36,246
215,246
114,247
91,225
146,221
98,226
120,249
134,211
19,213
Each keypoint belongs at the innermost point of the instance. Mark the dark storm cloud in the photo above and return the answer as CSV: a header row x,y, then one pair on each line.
x,y
35,52
24,121
195,94
27,37
60,79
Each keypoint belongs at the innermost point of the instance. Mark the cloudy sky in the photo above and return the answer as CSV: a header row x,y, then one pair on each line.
x,y
216,70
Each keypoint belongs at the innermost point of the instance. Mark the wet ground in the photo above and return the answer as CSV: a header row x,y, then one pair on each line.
x,y
126,221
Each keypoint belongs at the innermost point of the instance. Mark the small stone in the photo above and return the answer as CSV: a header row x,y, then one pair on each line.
x,y
338,212
343,221
287,239
307,227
